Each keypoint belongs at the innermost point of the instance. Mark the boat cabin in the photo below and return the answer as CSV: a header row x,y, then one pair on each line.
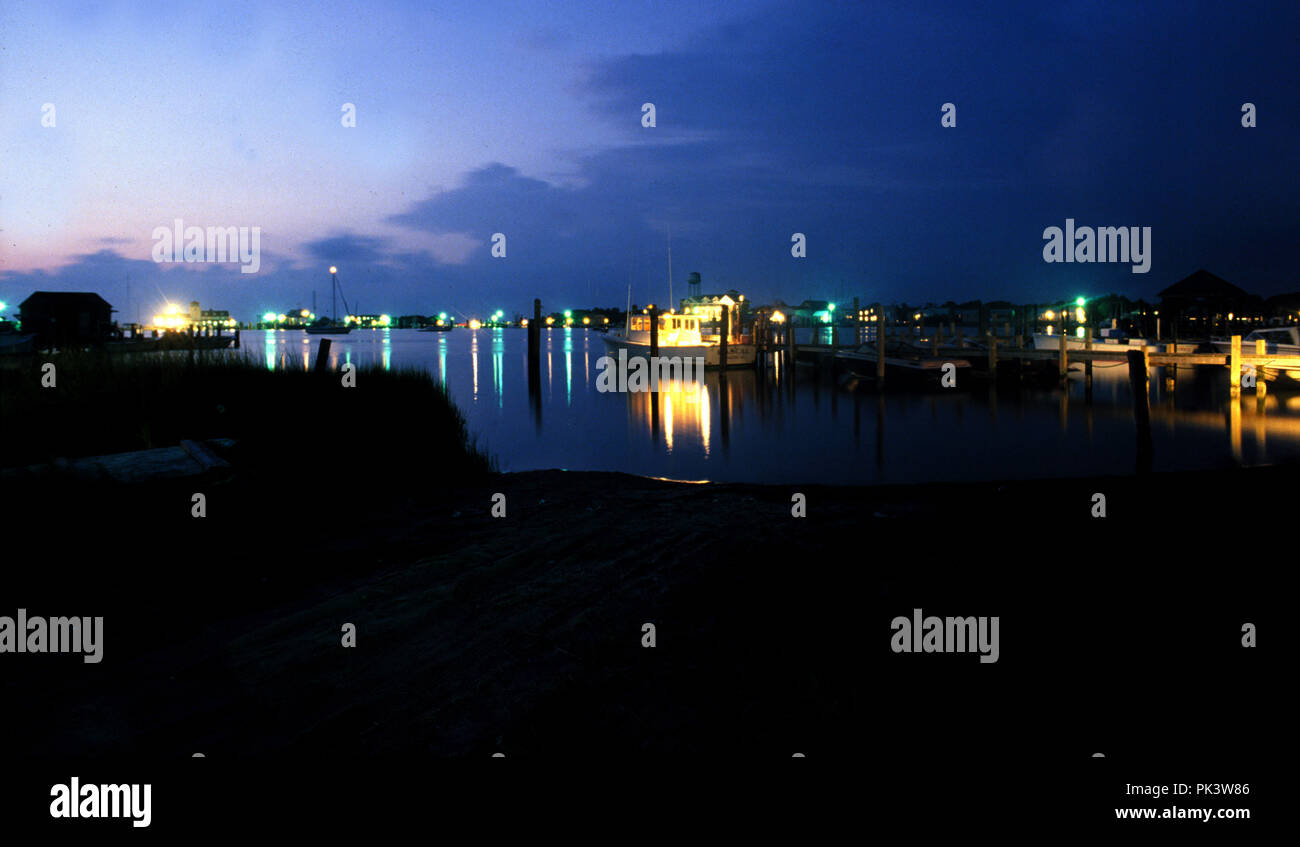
x,y
674,330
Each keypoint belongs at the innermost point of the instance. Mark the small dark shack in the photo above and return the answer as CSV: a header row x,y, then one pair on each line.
x,y
66,318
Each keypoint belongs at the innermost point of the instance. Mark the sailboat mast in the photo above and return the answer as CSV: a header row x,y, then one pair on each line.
x,y
334,303
670,268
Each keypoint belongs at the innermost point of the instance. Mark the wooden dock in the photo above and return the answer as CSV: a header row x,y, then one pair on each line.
x,y
987,357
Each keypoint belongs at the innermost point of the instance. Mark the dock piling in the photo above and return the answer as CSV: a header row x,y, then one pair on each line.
x,y
880,347
1261,387
323,356
1234,368
726,333
1137,375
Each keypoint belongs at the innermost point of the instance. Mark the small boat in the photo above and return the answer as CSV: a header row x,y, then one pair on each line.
x,y
1278,341
332,326
438,327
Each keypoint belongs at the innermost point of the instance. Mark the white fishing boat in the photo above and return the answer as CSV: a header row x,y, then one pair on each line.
x,y
679,335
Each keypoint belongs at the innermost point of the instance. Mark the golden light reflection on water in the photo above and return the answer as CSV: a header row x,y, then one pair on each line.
x,y
684,412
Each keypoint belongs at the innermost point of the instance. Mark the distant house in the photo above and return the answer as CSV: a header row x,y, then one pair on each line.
x,y
710,306
66,318
209,318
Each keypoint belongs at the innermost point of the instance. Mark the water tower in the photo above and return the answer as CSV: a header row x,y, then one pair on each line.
x,y
693,285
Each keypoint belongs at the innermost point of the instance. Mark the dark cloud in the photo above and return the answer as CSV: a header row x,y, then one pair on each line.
x,y
824,120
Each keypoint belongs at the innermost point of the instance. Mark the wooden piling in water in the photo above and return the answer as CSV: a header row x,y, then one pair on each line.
x,y
880,347
1064,363
1137,375
236,339
654,331
1261,386
1234,368
993,354
726,333
323,356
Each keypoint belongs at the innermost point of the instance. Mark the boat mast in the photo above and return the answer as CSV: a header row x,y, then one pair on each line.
x,y
670,268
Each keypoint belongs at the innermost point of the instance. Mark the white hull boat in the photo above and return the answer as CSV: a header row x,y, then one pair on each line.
x,y
679,335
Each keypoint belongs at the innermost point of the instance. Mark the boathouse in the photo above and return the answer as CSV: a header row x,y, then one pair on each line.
x,y
1204,300
66,318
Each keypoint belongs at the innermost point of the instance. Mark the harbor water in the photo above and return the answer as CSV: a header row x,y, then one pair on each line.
x,y
807,427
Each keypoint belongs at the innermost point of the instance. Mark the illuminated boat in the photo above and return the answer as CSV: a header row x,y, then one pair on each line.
x,y
679,335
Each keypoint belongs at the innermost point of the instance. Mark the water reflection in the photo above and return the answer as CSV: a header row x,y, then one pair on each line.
x,y
800,424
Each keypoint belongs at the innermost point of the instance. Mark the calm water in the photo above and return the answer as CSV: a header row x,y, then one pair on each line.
x,y
806,429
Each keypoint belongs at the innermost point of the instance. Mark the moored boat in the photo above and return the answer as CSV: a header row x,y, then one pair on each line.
x,y
331,326
678,335
1278,341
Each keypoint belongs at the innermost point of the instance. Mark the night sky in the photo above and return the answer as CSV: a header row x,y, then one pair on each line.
x,y
525,118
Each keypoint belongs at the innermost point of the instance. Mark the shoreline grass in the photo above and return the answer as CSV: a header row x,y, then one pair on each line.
x,y
392,422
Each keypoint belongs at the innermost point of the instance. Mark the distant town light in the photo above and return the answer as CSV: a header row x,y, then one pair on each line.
x,y
269,317
777,318
305,313
3,306
1050,315
474,324
586,320
442,316
568,313
1080,301
831,307
333,269
282,318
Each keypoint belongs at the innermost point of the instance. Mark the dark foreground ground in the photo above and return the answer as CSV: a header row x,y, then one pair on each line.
x,y
523,634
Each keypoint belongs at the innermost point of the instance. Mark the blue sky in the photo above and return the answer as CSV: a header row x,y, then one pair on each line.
x,y
525,118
